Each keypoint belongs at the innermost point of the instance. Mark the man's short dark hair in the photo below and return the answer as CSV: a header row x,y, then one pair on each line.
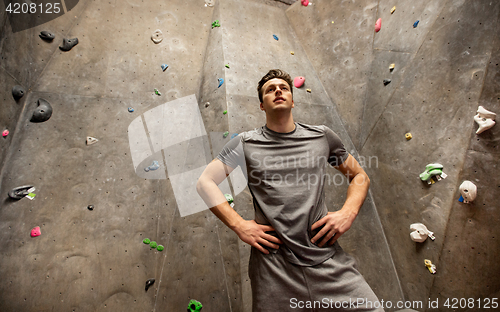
x,y
274,73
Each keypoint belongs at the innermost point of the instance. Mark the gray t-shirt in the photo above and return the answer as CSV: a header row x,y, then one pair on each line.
x,y
286,176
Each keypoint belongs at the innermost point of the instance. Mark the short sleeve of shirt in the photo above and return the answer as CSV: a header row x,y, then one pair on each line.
x,y
232,154
338,154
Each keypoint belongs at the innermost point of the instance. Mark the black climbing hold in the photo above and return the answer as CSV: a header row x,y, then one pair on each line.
x,y
387,81
17,92
90,207
68,44
46,35
19,192
42,112
149,282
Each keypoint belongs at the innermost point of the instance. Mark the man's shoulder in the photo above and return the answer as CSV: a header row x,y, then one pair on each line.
x,y
315,128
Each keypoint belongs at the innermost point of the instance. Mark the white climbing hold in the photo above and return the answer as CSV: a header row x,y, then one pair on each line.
x,y
420,233
91,140
468,191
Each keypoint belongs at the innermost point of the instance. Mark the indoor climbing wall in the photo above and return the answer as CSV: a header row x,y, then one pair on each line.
x,y
113,114
445,65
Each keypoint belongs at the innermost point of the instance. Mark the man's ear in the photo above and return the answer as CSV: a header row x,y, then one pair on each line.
x,y
293,104
262,106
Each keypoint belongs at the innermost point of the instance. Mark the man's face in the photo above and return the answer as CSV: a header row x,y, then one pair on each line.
x,y
276,95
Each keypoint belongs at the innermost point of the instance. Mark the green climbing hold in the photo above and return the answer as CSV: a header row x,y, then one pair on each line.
x,y
157,92
224,112
194,306
160,247
146,241
153,244
227,65
215,24
226,134
229,198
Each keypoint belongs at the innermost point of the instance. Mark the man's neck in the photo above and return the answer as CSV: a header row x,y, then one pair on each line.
x,y
283,124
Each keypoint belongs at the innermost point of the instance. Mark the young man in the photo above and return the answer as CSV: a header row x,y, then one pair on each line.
x,y
296,263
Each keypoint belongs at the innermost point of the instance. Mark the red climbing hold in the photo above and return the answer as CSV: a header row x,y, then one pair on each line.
x,y
304,2
298,81
35,232
378,25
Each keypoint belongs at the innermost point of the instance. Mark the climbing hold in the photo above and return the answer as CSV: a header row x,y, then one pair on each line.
x,y
292,53
164,67
415,24
209,3
90,207
46,35
484,113
227,65
68,44
221,81
224,112
207,104
35,232
153,244
333,22
149,283
391,67
408,136
431,170
229,198
130,110
17,92
146,241
387,81
484,123
234,135
304,2
430,266
157,36
309,90
215,24
420,233
160,248
5,133
393,9
275,37
468,191
157,92
378,25
154,166
194,306
298,81
225,134
42,112
91,140
21,191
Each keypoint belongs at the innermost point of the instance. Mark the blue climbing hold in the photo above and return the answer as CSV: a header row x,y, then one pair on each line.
x,y
221,81
164,67
234,135
275,37
415,24
154,166
130,110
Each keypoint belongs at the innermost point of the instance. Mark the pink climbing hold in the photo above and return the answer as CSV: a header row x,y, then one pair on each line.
x,y
378,25
298,81
304,2
5,133
35,232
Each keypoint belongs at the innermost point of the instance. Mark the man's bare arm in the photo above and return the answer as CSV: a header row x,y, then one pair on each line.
x,y
247,230
338,222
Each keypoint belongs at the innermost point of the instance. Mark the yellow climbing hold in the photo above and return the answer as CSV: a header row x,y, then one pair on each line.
x,y
408,136
393,9
392,66
292,53
308,90
333,22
